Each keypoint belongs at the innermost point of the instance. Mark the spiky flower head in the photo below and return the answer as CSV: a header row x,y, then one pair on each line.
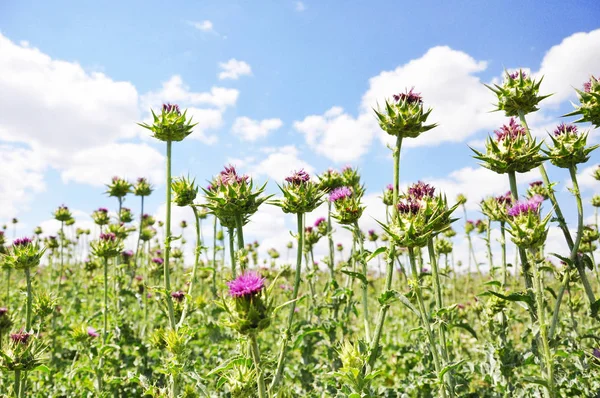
x,y
538,188
596,173
23,254
147,234
496,208
351,178
25,352
321,225
311,238
404,115
510,151
251,312
595,201
232,195
330,180
120,230
450,233
589,103
62,214
480,227
126,215
38,231
372,235
518,94
568,147
388,195
142,187
339,247
108,245
184,191
101,216
461,199
443,246
420,216
51,242
347,204
170,125
178,296
469,226
148,220
527,228
300,194
590,234
118,187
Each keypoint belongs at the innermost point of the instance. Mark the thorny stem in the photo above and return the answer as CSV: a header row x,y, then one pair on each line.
x,y
287,333
374,347
365,302
260,379
240,238
503,248
232,251
194,269
330,241
214,259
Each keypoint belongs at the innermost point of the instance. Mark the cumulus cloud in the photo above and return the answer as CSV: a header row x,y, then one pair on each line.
x,y
234,69
203,26
279,163
251,130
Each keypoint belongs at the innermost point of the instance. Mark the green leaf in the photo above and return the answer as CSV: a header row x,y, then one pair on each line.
x,y
595,307
466,326
388,297
450,367
42,368
493,283
404,300
516,297
376,253
535,380
357,275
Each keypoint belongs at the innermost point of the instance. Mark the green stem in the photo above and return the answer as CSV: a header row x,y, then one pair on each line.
x,y
539,294
260,380
167,277
374,347
488,243
365,293
425,318
18,383
137,246
232,251
214,259
240,238
331,247
503,248
29,299
287,334
194,269
105,300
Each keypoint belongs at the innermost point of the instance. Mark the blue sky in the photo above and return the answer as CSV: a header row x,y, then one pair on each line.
x,y
298,94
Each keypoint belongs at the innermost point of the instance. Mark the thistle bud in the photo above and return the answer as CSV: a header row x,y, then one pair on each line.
x,y
23,254
348,209
443,246
142,188
518,93
170,125
496,208
147,220
527,228
38,231
469,227
147,234
300,194
569,147
404,115
595,201
510,151
388,195
450,233
251,313
183,224
596,173
108,245
538,188
184,190
126,215
101,216
589,103
321,226
480,227
118,188
330,180
372,235
590,234
62,214
461,199
351,178
51,243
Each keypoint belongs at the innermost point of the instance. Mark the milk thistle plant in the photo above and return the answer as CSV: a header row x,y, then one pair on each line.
x,y
328,181
403,116
301,195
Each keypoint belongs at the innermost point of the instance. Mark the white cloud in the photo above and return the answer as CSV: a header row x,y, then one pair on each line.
x,y
204,26
569,64
300,6
586,179
234,69
280,163
96,166
251,130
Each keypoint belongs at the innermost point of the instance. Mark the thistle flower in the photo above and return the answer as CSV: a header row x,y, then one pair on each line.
x,y
569,147
595,201
178,295
158,261
108,245
147,234
480,227
348,208
372,235
469,227
496,208
23,254
38,231
461,199
184,191
251,307
443,246
170,124
590,234
527,228
311,238
142,187
127,255
421,190
351,178
92,332
596,173
120,230
450,233
518,93
126,215
340,193
589,103
404,115
339,247
51,242
330,180
300,194
388,195
510,151
101,216
147,220
62,214
183,224
118,187
20,337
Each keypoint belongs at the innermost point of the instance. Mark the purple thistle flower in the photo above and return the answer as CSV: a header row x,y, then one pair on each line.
x,y
127,253
409,96
390,187
247,284
298,177
108,237
371,232
420,190
178,295
319,221
22,241
527,206
3,311
424,270
408,206
510,131
228,176
536,184
168,108
20,337
505,199
308,229
340,193
515,75
92,332
158,260
587,86
565,129
103,210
